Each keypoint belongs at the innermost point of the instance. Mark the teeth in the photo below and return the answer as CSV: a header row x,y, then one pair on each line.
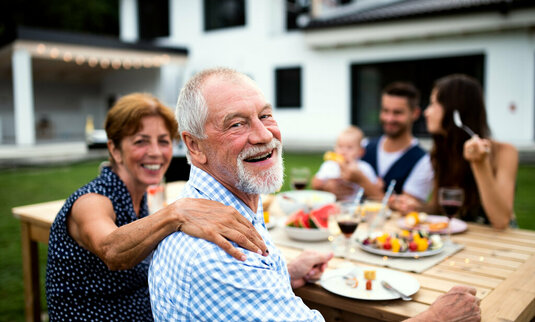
x,y
260,158
152,166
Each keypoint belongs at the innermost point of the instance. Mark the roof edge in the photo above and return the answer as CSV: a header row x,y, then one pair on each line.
x,y
28,33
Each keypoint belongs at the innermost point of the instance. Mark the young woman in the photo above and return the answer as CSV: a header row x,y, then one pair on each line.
x,y
484,168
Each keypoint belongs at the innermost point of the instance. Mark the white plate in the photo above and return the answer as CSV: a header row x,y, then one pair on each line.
x,y
407,254
457,225
334,282
299,199
307,234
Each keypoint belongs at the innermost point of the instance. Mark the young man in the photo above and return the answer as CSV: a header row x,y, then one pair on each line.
x,y
396,154
234,146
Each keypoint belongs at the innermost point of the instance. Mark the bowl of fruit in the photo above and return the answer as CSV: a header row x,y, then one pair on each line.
x,y
310,225
417,243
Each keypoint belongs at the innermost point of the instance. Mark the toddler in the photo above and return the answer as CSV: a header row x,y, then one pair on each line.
x,y
343,172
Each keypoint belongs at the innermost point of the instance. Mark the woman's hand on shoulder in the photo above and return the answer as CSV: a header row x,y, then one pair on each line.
x,y
215,222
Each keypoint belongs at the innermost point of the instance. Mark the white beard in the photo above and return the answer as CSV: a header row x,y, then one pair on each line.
x,y
267,181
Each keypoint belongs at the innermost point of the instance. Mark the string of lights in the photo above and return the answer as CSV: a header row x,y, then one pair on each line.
x,y
101,58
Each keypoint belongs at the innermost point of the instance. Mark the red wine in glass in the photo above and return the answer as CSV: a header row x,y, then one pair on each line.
x,y
450,207
299,185
348,227
450,200
299,178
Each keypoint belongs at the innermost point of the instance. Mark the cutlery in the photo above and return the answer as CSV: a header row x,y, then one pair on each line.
x,y
380,216
358,197
349,275
459,123
390,288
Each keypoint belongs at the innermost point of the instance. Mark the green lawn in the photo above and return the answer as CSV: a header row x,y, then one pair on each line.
x,y
31,185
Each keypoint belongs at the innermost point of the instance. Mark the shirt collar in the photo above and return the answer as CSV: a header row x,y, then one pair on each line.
x,y
211,189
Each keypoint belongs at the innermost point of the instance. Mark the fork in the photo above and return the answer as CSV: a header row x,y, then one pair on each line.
x,y
459,123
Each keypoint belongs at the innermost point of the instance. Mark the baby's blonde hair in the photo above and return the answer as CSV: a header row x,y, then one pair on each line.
x,y
354,131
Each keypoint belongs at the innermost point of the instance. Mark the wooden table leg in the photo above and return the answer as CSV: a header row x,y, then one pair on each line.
x,y
30,271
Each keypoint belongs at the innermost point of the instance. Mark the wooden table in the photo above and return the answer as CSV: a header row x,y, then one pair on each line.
x,y
500,265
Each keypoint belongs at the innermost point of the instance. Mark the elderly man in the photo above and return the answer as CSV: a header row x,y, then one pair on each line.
x,y
234,146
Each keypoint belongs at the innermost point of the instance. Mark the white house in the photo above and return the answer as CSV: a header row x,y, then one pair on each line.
x,y
327,71
322,63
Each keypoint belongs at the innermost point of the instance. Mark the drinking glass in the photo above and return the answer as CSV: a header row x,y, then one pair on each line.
x,y
348,220
156,198
450,200
299,178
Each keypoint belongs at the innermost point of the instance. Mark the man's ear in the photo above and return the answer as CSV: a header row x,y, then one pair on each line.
x,y
416,113
194,147
115,152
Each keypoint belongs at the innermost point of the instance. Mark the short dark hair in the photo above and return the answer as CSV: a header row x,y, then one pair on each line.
x,y
404,89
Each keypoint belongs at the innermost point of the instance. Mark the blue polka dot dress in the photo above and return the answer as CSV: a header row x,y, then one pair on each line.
x,y
79,286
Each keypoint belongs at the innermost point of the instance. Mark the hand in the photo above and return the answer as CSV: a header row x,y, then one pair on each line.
x,y
351,172
308,267
459,304
341,188
216,222
404,203
476,149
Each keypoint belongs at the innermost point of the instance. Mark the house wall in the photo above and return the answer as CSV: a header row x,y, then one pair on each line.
x,y
264,45
66,105
61,104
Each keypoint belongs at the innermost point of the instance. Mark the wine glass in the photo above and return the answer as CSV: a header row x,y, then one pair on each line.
x,y
299,178
348,220
450,199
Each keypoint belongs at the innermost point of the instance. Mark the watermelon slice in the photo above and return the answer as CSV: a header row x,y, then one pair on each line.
x,y
311,223
294,220
320,216
303,219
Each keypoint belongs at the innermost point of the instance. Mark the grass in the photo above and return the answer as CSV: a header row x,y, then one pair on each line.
x,y
31,185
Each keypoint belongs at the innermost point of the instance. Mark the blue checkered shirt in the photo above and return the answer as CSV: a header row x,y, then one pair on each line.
x,y
191,279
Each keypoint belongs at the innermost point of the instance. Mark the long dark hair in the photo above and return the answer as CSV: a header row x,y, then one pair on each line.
x,y
462,93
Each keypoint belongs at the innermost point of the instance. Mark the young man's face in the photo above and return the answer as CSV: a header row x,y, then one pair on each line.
x,y
243,144
396,115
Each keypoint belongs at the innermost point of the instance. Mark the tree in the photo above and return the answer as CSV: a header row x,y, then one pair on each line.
x,y
94,16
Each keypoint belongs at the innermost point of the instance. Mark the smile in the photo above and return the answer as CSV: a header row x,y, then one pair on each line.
x,y
152,167
260,157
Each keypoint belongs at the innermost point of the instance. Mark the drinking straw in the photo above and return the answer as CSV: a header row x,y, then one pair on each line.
x,y
382,211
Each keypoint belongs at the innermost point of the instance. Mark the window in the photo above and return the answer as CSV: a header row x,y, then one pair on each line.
x,y
295,9
220,14
153,18
288,87
368,80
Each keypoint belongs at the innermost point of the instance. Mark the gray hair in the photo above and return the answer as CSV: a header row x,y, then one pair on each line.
x,y
191,108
